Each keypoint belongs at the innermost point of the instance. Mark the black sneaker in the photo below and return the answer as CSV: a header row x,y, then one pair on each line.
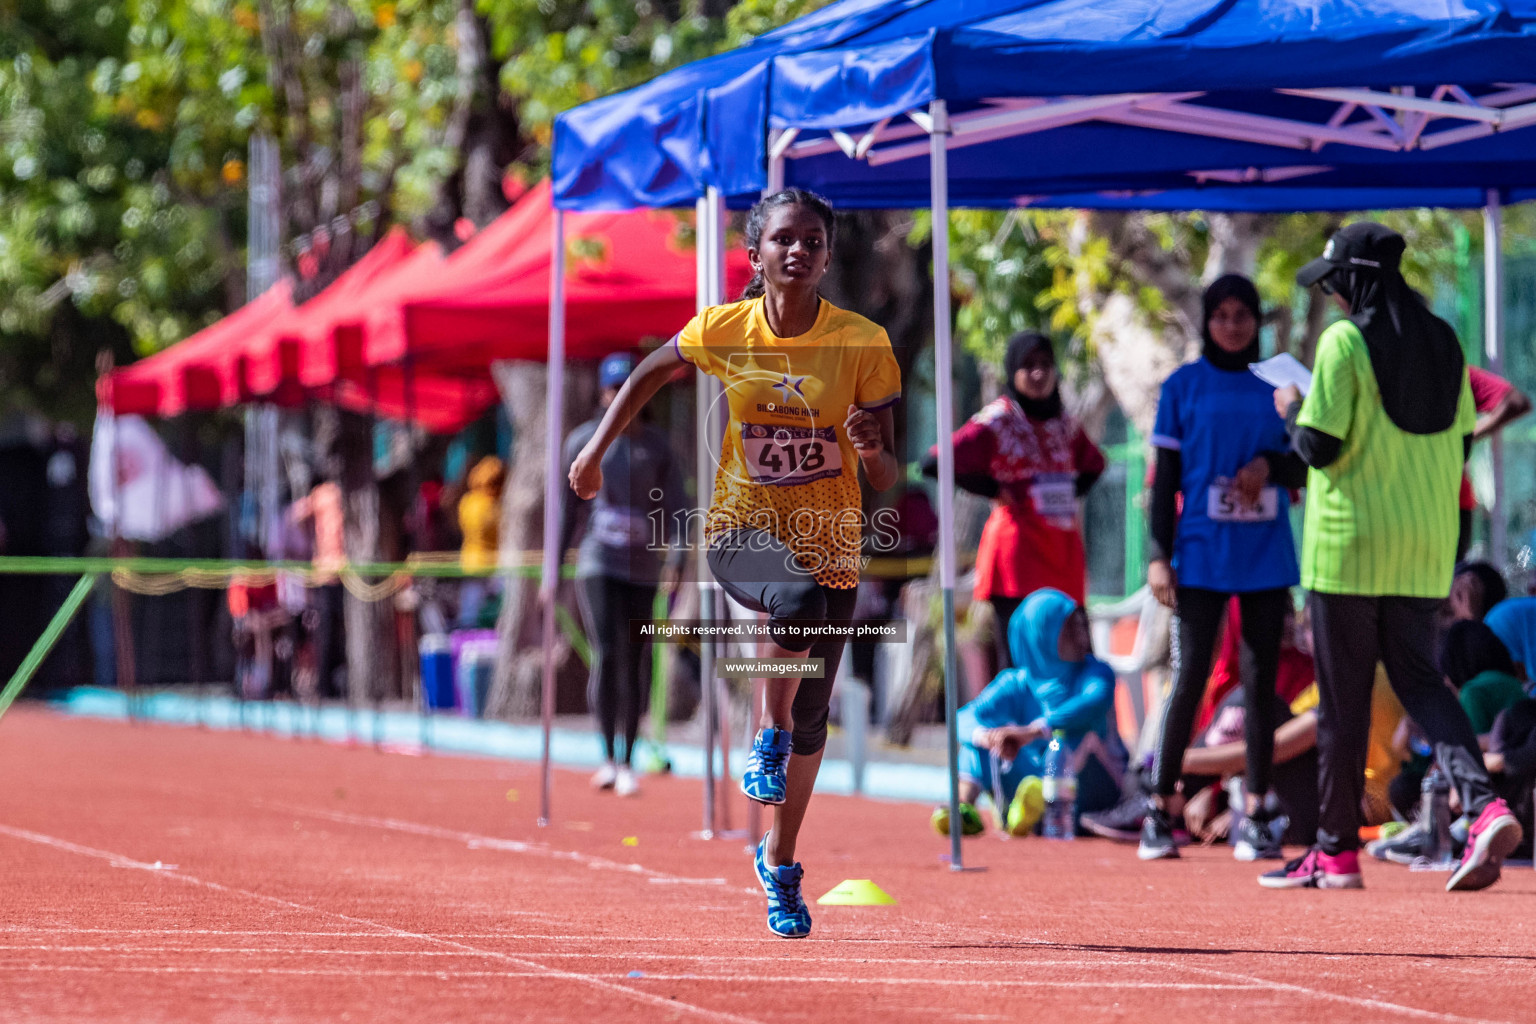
x,y
1157,842
1122,822
1257,840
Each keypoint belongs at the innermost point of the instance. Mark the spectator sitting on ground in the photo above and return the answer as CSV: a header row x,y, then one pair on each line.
x,y
1480,670
1294,678
1478,667
256,615
1058,685
1513,621
1475,589
1221,756
1512,755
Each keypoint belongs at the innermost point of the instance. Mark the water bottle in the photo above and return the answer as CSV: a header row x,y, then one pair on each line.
x,y
1435,816
1059,788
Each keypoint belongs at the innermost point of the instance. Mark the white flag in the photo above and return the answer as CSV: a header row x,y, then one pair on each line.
x,y
138,490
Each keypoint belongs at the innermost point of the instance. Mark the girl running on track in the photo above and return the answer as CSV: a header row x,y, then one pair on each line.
x,y
1220,444
810,389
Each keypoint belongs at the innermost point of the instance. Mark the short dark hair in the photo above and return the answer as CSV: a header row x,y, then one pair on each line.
x,y
1494,587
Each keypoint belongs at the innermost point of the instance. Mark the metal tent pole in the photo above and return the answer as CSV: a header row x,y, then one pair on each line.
x,y
549,585
1493,347
775,183
715,278
943,384
704,470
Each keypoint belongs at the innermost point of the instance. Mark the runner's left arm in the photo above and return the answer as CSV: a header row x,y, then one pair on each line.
x,y
873,434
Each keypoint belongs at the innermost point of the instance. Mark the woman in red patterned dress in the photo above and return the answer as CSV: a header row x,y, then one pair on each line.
x,y
1035,462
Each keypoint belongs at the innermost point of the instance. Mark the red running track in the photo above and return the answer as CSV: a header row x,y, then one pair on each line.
x,y
157,873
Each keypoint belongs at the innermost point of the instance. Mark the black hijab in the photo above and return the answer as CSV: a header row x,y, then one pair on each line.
x,y
1230,286
1414,354
1020,347
1470,649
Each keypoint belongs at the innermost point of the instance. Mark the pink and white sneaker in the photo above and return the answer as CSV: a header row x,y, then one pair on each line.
x,y
1317,870
1492,837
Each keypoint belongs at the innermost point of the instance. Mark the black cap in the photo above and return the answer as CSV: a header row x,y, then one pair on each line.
x,y
1363,245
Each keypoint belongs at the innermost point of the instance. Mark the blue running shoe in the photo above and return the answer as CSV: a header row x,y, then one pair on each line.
x,y
763,780
788,916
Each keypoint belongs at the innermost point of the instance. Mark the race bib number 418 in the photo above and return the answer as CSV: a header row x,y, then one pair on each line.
x,y
791,455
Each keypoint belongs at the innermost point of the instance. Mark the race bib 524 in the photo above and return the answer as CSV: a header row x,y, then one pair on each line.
x,y
1224,504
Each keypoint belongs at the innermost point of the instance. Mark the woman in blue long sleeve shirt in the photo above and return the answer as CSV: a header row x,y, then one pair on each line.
x,y
1057,684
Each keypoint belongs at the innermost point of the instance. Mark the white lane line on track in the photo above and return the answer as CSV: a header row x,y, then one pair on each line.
x,y
758,979
540,969
1361,1001
475,841
953,965
1282,986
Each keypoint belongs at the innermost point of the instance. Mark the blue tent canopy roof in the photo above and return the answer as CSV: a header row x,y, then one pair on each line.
x,y
1284,105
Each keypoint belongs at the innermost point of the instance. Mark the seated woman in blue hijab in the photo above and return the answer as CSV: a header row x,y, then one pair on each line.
x,y
1057,685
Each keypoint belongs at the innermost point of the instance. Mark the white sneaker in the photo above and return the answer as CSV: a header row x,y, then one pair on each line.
x,y
605,777
626,784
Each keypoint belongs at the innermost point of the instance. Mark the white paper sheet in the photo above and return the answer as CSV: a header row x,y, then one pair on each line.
x,y
1283,370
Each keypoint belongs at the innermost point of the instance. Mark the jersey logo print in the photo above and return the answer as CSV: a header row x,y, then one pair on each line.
x,y
789,386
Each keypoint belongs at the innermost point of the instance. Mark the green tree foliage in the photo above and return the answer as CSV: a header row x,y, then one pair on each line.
x,y
123,137
96,242
557,55
124,129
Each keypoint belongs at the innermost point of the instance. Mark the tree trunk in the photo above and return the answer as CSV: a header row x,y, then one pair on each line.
x,y
1235,241
482,129
373,665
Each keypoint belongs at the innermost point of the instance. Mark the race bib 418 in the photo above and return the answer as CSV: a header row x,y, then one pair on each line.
x,y
791,455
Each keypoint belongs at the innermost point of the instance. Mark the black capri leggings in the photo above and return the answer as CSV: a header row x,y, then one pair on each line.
x,y
762,574
1195,631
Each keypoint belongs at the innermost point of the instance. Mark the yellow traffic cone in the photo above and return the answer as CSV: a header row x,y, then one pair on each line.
x,y
857,892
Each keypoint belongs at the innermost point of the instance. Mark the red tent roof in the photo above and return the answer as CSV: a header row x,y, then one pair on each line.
x,y
628,278
203,371
292,351
442,403
334,349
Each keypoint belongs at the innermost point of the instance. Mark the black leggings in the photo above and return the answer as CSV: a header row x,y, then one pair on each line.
x,y
1349,635
1199,620
616,684
762,574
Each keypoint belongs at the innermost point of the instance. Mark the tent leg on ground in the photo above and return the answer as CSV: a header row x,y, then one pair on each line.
x,y
553,490
945,414
1493,348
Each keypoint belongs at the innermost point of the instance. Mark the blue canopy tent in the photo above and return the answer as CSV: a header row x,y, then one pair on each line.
x,y
1188,104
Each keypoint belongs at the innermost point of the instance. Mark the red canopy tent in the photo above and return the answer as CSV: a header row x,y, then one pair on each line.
x,y
272,351
407,334
202,372
278,363
629,277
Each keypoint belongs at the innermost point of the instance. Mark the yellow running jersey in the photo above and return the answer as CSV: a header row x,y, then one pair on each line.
x,y
786,465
